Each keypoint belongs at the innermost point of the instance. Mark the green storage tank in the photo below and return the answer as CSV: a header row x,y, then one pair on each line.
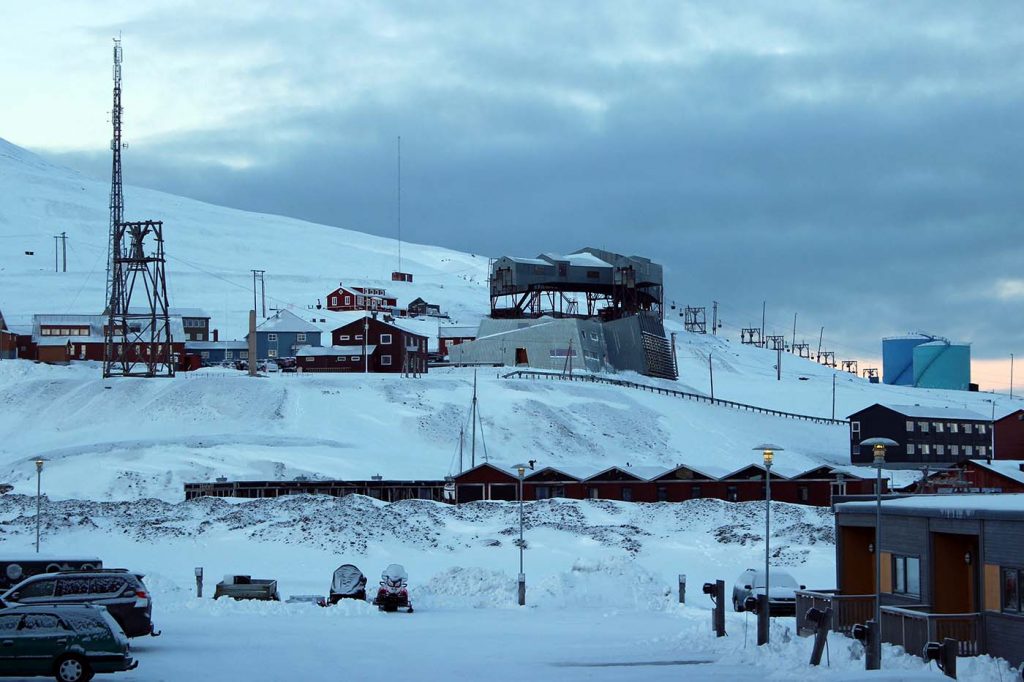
x,y
939,364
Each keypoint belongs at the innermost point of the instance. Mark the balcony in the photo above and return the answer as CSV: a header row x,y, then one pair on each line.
x,y
847,609
913,627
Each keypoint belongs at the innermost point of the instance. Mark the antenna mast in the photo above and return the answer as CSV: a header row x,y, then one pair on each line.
x,y
116,191
400,203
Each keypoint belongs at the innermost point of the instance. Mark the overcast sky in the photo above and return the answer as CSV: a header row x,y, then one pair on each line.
x,y
859,163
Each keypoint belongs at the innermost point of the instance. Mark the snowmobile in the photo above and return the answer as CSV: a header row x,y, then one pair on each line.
x,y
348,583
393,593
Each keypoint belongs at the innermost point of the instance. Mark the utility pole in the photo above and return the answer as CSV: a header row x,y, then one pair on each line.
x,y
763,306
472,449
1011,375
794,333
833,394
258,275
714,318
821,337
711,374
778,365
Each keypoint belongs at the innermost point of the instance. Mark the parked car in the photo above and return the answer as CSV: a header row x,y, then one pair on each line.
x,y
781,593
70,642
122,592
15,568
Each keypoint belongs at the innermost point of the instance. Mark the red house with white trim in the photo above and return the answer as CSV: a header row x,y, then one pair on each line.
x,y
360,298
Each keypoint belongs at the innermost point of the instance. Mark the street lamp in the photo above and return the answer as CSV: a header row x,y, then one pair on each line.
x,y
878,446
521,470
768,452
39,490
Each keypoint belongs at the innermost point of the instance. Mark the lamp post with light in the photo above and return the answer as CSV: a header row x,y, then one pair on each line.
x,y
39,490
878,446
768,453
521,470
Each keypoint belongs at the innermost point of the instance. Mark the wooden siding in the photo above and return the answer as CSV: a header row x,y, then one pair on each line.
x,y
1010,436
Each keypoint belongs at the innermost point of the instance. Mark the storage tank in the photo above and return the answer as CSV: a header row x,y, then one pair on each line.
x,y
939,364
898,358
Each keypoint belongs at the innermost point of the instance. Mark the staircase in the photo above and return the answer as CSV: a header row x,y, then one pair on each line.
x,y
658,356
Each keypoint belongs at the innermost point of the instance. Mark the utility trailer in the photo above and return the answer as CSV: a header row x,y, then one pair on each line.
x,y
240,587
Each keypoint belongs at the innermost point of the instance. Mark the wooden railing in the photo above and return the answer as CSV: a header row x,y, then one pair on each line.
x,y
912,628
847,609
699,397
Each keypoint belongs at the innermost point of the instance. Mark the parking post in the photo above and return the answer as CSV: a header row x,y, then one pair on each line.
x,y
199,582
682,588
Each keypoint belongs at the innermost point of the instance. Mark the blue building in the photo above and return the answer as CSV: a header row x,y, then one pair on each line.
x,y
218,352
281,335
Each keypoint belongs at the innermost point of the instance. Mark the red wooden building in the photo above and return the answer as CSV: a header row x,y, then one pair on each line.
x,y
453,336
8,340
815,487
66,338
1010,436
388,347
360,298
974,476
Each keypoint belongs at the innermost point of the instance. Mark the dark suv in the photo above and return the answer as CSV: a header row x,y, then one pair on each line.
x,y
121,591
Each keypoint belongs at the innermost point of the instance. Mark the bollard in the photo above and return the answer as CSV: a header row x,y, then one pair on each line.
x,y
822,621
763,619
682,588
869,635
199,582
522,589
943,654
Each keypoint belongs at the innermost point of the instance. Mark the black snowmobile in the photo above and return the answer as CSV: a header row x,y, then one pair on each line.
x,y
348,583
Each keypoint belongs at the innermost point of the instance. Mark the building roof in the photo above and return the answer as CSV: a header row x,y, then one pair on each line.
x,y
1016,413
929,412
583,260
1008,506
189,312
217,345
528,261
456,332
330,351
95,324
329,321
287,321
1010,468
3,325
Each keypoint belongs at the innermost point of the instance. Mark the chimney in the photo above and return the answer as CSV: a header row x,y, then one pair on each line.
x,y
216,335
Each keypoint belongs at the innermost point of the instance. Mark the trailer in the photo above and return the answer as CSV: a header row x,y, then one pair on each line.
x,y
241,587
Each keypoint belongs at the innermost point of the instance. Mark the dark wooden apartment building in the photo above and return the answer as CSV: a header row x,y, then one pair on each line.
x,y
926,435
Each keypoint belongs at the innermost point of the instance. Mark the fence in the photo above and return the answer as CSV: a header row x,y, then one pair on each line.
x,y
699,397
847,609
913,628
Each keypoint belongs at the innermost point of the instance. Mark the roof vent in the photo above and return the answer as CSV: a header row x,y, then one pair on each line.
x,y
377,477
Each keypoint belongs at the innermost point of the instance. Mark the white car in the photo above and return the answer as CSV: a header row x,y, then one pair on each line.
x,y
781,593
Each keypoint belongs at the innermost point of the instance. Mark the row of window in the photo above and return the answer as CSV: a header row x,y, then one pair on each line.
x,y
194,323
942,427
228,355
384,340
906,575
384,359
731,494
299,337
64,331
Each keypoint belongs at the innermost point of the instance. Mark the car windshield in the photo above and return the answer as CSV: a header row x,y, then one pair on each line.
x,y
778,579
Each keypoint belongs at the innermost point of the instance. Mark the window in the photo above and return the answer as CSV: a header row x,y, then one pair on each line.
x,y
968,450
967,428
229,355
939,427
593,493
359,301
981,428
981,450
910,448
243,355
348,300
923,426
343,337
940,449
385,339
803,493
910,426
385,359
309,358
359,337
9,623
954,450
271,337
41,621
1011,600
354,358
40,588
272,353
954,427
855,427
906,575
926,449
300,337
341,358
334,300
205,355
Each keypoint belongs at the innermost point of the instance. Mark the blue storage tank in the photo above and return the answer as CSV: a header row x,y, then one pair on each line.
x,y
939,364
898,358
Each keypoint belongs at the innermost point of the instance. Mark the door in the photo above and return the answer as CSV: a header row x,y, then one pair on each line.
x,y
43,639
9,640
954,573
521,357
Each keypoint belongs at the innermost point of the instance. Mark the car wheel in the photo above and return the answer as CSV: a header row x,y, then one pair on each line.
x,y
72,669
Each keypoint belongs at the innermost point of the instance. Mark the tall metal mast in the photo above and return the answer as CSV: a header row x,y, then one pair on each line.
x,y
116,191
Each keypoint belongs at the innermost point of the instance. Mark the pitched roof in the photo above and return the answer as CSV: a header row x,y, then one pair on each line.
x,y
1010,468
931,412
287,321
189,312
326,351
217,345
456,332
